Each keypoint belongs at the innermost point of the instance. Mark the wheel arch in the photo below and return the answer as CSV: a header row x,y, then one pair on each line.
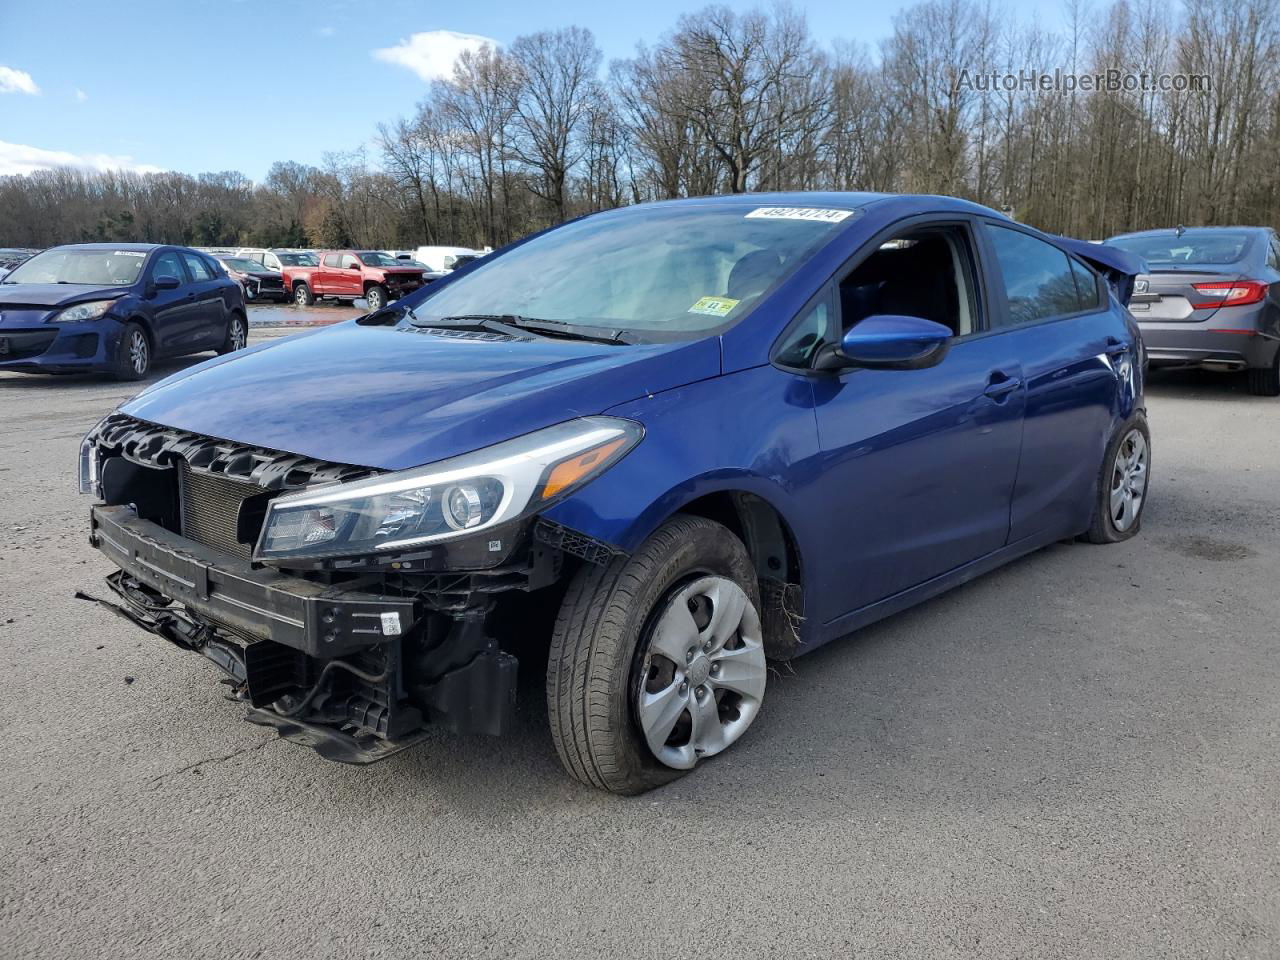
x,y
145,323
774,551
746,505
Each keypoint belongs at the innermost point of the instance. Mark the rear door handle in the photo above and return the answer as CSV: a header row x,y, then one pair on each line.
x,y
1000,386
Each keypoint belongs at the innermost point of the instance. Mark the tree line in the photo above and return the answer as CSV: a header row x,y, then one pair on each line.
x,y
523,137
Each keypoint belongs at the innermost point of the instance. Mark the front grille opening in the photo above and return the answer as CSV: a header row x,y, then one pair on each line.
x,y
211,506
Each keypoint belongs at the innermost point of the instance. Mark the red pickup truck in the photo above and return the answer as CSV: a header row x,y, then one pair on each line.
x,y
350,275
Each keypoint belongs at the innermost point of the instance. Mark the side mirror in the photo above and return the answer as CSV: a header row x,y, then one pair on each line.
x,y
888,342
166,281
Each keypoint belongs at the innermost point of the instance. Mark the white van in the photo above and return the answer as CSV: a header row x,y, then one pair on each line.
x,y
439,259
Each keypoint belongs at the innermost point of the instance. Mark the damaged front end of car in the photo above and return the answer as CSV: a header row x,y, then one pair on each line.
x,y
351,609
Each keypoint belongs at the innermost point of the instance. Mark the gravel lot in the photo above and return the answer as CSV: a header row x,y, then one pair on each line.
x,y
1073,757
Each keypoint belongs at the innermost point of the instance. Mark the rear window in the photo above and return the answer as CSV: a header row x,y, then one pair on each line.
x,y
1208,247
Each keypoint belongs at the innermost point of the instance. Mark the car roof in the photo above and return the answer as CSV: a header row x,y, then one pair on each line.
x,y
841,200
1190,231
131,247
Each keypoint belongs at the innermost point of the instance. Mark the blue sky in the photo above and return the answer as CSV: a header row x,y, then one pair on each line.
x,y
197,85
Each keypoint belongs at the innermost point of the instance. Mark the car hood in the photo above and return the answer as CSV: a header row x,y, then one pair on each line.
x,y
38,295
392,398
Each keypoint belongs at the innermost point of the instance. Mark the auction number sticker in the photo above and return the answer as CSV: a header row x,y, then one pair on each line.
x,y
714,306
799,213
127,253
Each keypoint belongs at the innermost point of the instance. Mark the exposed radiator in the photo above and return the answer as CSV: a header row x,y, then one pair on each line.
x,y
211,509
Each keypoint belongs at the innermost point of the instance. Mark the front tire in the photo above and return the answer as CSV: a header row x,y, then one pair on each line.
x,y
1122,484
133,355
377,297
657,660
302,295
237,335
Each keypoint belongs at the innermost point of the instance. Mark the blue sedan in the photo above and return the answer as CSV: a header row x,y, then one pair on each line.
x,y
642,452
115,308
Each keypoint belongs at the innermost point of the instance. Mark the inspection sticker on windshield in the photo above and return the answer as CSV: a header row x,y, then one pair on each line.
x,y
799,213
714,306
127,253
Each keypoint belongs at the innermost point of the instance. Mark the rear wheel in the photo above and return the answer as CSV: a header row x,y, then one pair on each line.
x,y
133,355
237,334
302,295
377,297
1122,485
1265,381
657,660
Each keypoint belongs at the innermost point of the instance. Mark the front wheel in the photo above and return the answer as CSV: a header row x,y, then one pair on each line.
x,y
657,660
1122,484
377,297
133,356
302,295
237,335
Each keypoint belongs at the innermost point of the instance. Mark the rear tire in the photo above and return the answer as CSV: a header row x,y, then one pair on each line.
x,y
1265,381
1123,482
302,295
605,648
377,297
133,354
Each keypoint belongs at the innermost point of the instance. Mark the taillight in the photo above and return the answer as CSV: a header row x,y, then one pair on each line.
x,y
1231,293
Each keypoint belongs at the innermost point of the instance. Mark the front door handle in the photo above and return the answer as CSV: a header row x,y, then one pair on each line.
x,y
1000,386
1116,349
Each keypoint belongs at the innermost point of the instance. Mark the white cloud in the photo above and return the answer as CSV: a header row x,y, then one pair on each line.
x,y
81,96
431,55
19,158
16,81
325,31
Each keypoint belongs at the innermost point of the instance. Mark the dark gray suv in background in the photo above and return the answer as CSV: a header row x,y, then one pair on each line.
x,y
1211,300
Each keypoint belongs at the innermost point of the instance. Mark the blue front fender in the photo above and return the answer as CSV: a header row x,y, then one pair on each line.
x,y
752,431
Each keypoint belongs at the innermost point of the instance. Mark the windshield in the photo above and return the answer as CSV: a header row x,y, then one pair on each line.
x,y
1217,247
680,269
239,263
98,268
374,259
298,259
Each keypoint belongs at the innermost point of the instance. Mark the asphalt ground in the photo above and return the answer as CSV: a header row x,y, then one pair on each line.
x,y
1075,756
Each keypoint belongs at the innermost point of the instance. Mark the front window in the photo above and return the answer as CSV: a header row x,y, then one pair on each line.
x,y
375,259
1209,247
675,270
95,268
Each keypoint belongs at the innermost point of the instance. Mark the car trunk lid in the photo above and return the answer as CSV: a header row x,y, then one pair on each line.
x,y
1170,296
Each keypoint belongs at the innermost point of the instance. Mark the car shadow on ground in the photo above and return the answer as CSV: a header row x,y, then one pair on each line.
x,y
61,381
1203,385
828,715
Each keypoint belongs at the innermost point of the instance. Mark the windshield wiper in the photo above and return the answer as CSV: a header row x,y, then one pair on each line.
x,y
547,328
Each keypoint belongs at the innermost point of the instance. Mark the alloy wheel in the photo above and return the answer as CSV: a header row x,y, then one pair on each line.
x,y
239,335
703,673
1129,480
138,352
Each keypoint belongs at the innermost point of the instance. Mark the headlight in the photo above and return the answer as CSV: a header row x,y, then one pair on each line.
x,y
90,463
89,468
447,500
83,311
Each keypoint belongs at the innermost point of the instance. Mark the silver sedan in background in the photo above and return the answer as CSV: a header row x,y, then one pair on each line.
x,y
1211,299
